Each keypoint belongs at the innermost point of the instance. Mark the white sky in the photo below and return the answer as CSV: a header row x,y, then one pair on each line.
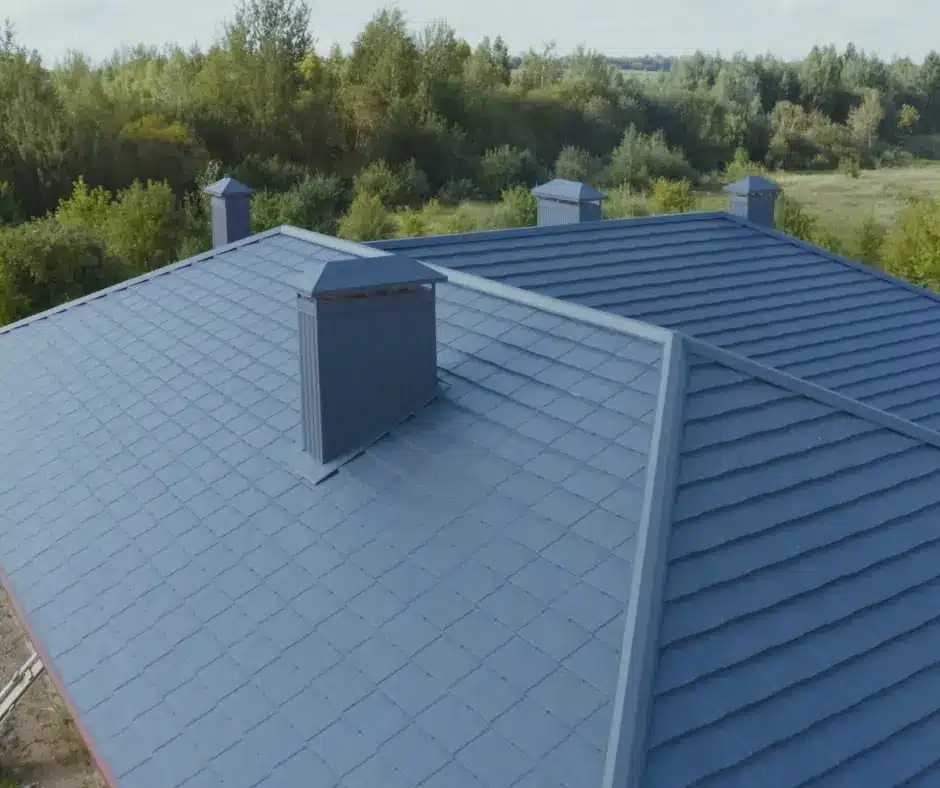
x,y
615,27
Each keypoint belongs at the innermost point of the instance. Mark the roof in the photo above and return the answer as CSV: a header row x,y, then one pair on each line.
x,y
228,187
753,184
747,289
568,191
783,624
445,610
347,276
609,553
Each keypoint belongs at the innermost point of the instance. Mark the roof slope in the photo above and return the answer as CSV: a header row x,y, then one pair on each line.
x,y
446,610
755,292
800,600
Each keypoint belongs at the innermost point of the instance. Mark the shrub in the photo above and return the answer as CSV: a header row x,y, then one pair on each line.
x,y
793,219
575,164
272,174
912,249
367,220
869,241
741,166
850,166
642,157
315,203
412,224
673,196
44,263
455,192
518,207
502,168
625,203
406,186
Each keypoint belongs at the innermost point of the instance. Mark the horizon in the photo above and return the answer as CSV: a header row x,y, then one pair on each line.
x,y
797,26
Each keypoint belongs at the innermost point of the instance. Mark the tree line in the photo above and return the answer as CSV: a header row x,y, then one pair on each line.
x,y
102,164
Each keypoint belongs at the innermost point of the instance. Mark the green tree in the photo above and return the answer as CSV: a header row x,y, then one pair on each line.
x,y
672,196
44,263
912,249
908,119
793,218
367,220
518,207
575,164
869,241
865,119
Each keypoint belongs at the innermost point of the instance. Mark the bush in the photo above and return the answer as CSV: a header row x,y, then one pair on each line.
x,y
642,157
575,164
273,174
625,203
455,192
793,219
44,263
315,203
9,209
505,167
518,207
673,196
412,224
367,220
406,186
741,166
912,249
869,241
850,166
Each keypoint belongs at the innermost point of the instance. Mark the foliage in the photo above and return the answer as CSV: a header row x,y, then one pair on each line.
x,y
912,249
315,203
625,203
505,167
741,167
9,209
793,219
850,166
519,207
575,164
672,196
44,263
908,118
367,220
869,241
642,157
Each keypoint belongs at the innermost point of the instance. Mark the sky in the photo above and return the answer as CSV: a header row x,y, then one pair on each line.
x,y
788,28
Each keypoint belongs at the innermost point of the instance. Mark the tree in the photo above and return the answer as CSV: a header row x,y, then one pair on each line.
x,y
673,196
575,164
367,220
908,119
912,249
518,207
44,263
865,119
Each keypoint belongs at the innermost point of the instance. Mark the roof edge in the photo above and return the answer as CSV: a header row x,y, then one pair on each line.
x,y
813,391
837,258
331,242
555,306
56,679
136,280
558,229
626,748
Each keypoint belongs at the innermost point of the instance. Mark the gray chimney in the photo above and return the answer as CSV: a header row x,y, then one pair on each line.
x,y
231,211
368,350
754,198
568,202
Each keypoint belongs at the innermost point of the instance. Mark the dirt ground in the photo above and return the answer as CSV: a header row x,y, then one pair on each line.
x,y
39,746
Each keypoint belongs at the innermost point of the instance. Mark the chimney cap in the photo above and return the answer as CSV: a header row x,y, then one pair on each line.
x,y
228,187
753,184
568,191
361,274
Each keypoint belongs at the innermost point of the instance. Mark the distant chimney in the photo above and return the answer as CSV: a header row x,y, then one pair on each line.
x,y
368,350
231,211
754,198
568,202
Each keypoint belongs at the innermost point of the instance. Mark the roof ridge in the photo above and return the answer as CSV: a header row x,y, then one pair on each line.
x,y
555,306
813,391
836,258
556,229
626,748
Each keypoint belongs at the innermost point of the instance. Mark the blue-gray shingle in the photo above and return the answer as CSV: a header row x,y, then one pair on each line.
x,y
216,618
800,626
756,293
